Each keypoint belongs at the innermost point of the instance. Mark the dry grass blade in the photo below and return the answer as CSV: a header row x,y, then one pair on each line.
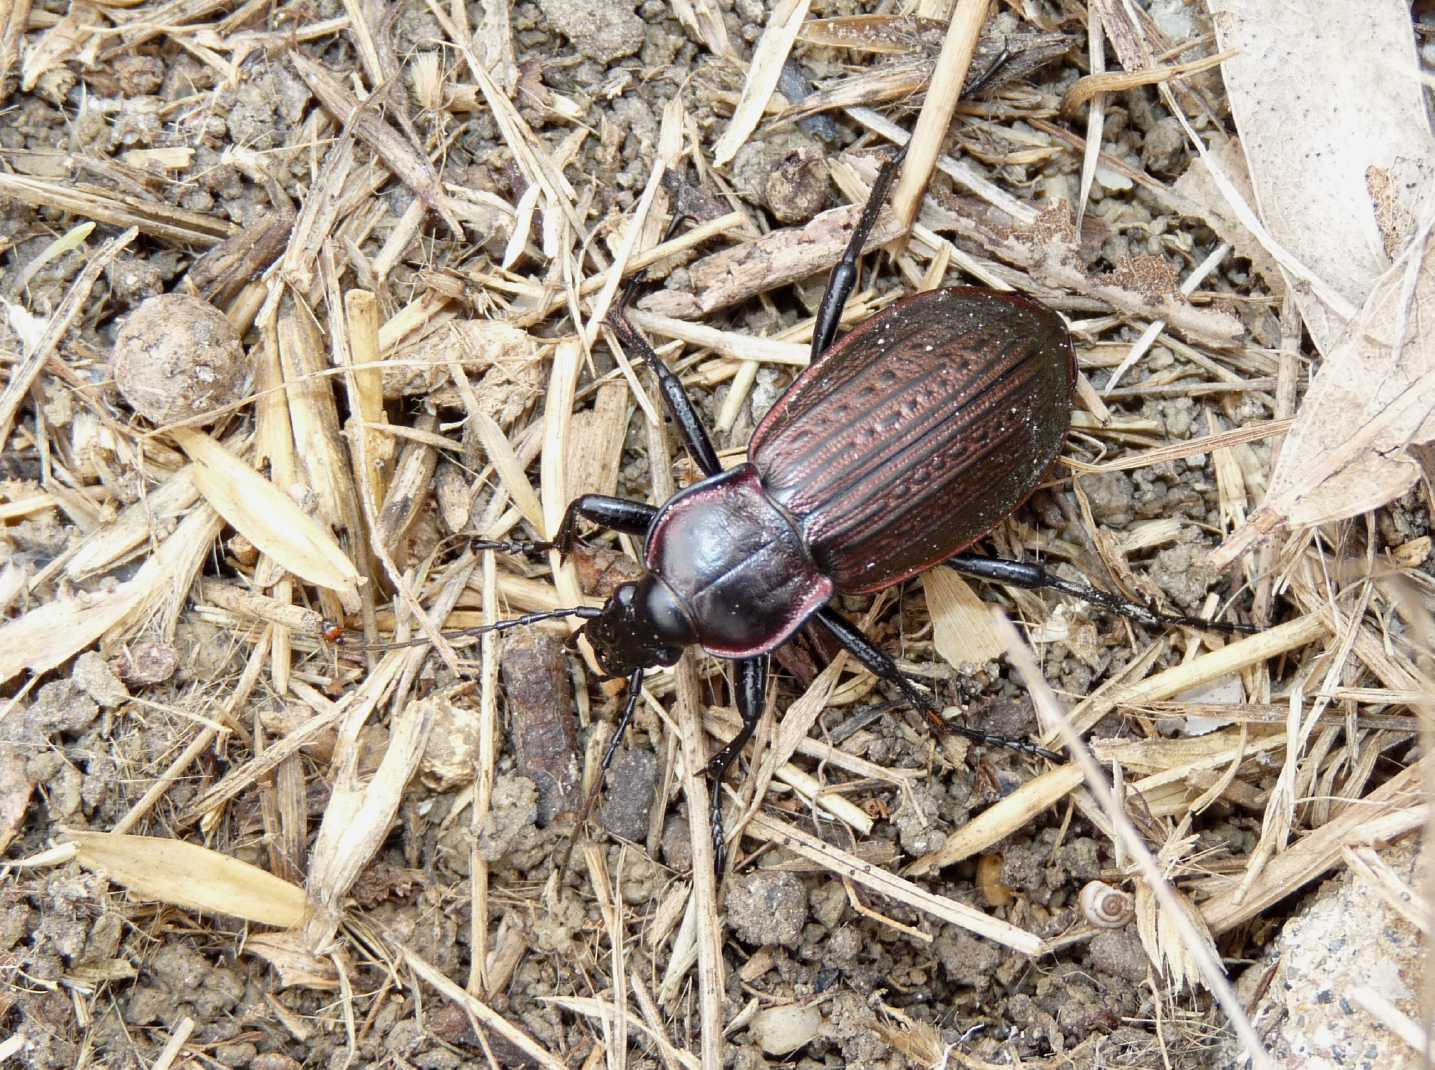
x,y
165,222
39,349
1380,877
1392,1017
728,343
487,1016
505,462
936,115
410,166
1231,658
267,517
769,829
1001,819
1375,395
776,259
358,817
783,22
1115,81
192,877
1393,809
57,630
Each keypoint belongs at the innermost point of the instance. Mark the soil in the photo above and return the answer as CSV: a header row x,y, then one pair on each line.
x,y
818,972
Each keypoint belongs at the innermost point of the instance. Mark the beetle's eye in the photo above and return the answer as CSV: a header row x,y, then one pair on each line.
x,y
668,655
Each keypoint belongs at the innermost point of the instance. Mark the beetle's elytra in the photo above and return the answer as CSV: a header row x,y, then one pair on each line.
x,y
918,432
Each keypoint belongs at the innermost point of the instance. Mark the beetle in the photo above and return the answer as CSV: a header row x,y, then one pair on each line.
x,y
900,445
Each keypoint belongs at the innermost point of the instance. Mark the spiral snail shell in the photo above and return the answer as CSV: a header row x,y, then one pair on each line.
x,y
1106,907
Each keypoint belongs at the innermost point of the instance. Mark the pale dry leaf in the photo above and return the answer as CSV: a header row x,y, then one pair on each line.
x,y
55,631
190,876
267,517
69,39
1170,950
1375,395
1329,105
962,628
1198,187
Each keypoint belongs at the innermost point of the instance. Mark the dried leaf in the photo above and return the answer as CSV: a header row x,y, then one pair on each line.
x,y
962,628
267,517
1328,101
1375,396
192,877
55,631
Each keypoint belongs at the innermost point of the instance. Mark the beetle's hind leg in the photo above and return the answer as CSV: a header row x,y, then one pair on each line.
x,y
1034,576
884,668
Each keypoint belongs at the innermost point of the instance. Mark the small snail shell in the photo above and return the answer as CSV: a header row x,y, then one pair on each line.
x,y
1106,907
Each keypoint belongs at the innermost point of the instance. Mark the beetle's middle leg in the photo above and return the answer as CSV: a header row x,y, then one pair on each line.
x,y
884,668
1032,576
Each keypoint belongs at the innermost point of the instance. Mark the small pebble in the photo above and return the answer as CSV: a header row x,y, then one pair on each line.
x,y
93,675
767,908
782,1030
146,662
603,30
631,784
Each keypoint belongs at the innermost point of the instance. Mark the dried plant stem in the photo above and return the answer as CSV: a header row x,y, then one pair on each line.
x,y
941,104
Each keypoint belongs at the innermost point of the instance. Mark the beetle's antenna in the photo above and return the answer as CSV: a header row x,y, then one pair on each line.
x,y
583,612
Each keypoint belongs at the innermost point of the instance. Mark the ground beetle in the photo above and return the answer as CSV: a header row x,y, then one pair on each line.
x,y
900,445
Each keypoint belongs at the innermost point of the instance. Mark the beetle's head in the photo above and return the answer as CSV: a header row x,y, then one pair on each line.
x,y
642,626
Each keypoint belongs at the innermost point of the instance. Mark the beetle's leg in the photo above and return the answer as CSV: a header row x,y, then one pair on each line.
x,y
635,688
1033,576
884,668
680,406
751,696
616,514
844,272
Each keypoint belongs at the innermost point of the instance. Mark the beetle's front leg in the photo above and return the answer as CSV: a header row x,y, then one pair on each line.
x,y
1033,576
884,668
751,697
615,514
